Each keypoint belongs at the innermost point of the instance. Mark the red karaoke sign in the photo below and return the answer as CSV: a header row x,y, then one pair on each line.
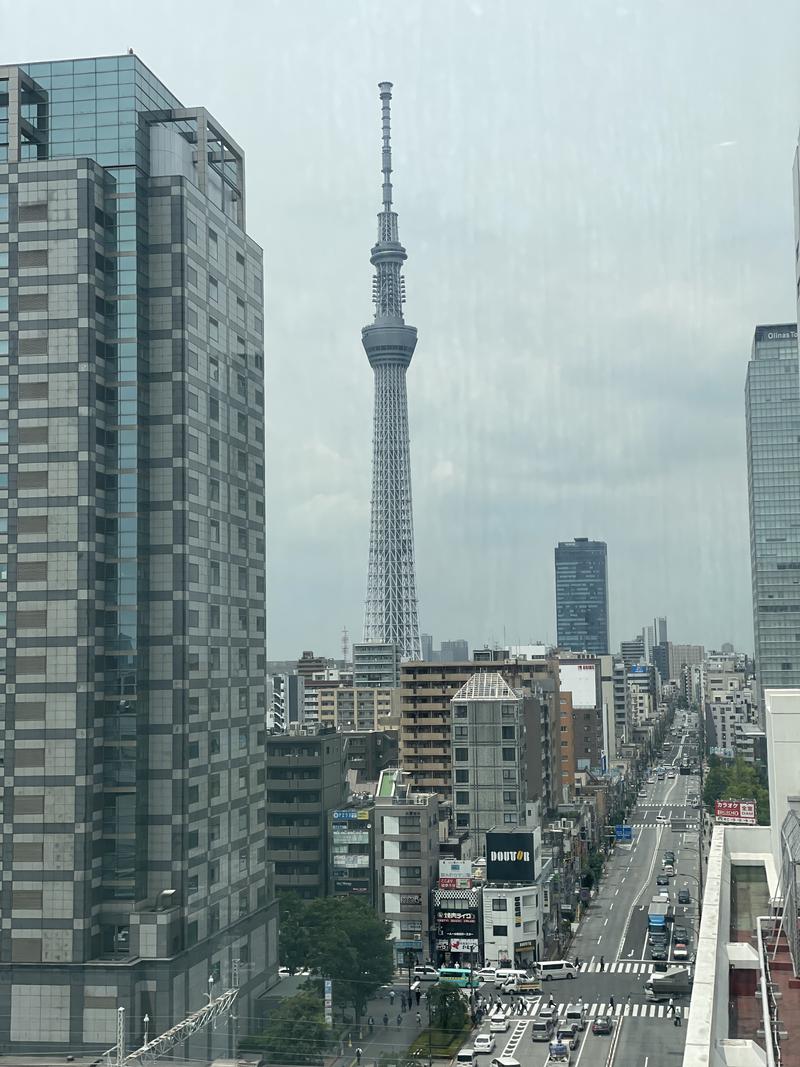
x,y
741,811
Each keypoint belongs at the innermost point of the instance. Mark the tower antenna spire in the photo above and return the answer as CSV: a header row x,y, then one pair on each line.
x,y
386,123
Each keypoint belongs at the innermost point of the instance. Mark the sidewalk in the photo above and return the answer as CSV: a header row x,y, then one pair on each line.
x,y
384,1039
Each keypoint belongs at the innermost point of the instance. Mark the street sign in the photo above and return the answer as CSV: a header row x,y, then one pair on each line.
x,y
328,1002
623,833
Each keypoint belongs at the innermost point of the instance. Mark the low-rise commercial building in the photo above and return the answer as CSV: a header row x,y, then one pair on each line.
x,y
352,851
407,862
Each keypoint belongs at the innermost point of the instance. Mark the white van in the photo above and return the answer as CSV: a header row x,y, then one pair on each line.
x,y
502,974
556,969
467,1057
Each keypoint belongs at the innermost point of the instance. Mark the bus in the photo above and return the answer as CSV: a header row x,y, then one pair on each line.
x,y
459,976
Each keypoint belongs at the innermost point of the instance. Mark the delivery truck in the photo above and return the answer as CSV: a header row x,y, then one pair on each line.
x,y
674,982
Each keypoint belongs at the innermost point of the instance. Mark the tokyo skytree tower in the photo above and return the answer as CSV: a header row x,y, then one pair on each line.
x,y
391,604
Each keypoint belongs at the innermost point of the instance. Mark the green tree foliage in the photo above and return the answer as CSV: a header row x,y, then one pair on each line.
x,y
737,781
295,1033
448,1008
339,938
293,933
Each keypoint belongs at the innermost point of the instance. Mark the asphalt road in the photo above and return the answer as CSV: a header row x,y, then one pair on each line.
x,y
615,928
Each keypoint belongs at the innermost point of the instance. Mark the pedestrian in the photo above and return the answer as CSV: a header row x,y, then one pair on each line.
x,y
391,996
577,962
419,1019
628,1000
359,1054
371,1024
671,1006
385,1019
403,1001
678,1019
611,1001
417,995
399,1021
602,963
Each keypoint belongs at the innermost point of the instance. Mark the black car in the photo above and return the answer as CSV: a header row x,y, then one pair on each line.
x,y
663,879
684,896
603,1024
680,933
658,952
669,856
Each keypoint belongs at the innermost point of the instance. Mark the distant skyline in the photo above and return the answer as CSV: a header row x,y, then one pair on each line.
x,y
597,205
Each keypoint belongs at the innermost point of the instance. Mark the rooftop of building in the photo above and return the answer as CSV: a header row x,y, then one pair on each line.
x,y
489,685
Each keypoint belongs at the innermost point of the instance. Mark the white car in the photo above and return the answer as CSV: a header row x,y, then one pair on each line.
x,y
486,974
498,1024
671,774
547,1011
662,820
484,1043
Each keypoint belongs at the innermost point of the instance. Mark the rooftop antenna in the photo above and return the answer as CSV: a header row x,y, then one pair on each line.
x,y
386,97
345,645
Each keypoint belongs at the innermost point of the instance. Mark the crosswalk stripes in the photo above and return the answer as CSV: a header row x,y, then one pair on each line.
x,y
592,966
624,1009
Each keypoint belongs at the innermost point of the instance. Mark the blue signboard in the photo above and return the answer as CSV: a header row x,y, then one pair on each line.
x,y
348,813
623,833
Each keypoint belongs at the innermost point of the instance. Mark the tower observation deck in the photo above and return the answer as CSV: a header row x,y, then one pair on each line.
x,y
391,603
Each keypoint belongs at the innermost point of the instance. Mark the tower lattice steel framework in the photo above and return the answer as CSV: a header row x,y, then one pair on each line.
x,y
391,605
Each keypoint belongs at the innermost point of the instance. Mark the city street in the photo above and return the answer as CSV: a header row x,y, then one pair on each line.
x,y
615,929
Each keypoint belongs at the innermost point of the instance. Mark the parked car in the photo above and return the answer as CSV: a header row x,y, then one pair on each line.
x,y
603,1024
684,896
668,869
484,1043
680,951
668,856
662,879
680,933
658,952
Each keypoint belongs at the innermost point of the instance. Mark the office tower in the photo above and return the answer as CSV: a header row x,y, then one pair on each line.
x,y
490,786
679,656
305,781
772,402
632,651
390,613
582,596
454,651
135,683
660,629
426,641
376,664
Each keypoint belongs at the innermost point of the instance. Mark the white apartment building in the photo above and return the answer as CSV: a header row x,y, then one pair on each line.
x,y
512,925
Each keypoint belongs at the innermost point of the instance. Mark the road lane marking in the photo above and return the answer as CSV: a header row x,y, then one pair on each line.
x,y
605,923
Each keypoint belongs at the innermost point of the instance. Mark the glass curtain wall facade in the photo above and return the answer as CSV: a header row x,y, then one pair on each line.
x,y
582,596
772,403
134,689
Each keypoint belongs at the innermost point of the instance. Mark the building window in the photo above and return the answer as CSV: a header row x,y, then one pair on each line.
x,y
508,733
462,776
499,904
462,797
460,711
460,733
509,798
509,775
213,245
509,818
499,931
509,755
461,755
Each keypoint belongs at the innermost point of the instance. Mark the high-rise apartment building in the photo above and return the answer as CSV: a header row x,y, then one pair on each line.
x,y
132,481
772,403
305,782
490,763
376,665
582,595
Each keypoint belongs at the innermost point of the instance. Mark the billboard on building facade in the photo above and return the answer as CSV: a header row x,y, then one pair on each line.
x,y
510,857
740,811
580,679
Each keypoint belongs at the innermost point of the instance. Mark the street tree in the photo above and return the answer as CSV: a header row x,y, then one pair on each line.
x,y
347,942
295,1033
293,932
447,1007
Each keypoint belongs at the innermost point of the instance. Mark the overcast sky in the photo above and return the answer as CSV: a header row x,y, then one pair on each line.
x,y
596,202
